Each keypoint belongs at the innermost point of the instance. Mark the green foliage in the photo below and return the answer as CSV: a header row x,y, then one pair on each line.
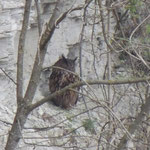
x,y
123,56
148,28
73,130
146,54
145,40
88,125
69,118
133,6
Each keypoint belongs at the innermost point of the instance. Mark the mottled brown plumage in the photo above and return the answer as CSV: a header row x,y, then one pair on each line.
x,y
61,78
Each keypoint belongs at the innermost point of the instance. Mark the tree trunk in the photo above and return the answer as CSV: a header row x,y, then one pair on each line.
x,y
15,132
61,9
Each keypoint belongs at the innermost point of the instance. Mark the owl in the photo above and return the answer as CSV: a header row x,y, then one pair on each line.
x,y
61,77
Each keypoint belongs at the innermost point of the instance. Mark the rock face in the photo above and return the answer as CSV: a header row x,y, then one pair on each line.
x,y
66,40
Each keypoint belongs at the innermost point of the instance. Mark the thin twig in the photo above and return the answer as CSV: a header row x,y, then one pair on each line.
x,y
92,38
87,2
138,27
103,25
6,74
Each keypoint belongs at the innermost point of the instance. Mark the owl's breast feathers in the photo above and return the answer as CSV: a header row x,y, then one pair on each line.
x,y
60,78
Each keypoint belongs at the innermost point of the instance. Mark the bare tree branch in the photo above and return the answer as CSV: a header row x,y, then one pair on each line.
x,y
38,17
138,27
81,83
108,70
21,50
103,24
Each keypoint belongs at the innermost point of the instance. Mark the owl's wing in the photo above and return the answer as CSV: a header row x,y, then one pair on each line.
x,y
54,81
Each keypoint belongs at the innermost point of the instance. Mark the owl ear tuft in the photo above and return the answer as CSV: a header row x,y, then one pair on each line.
x,y
64,59
75,59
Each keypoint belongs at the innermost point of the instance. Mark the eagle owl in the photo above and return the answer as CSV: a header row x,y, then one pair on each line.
x,y
61,78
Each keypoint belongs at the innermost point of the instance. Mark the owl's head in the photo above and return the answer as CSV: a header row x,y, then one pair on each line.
x,y
66,63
